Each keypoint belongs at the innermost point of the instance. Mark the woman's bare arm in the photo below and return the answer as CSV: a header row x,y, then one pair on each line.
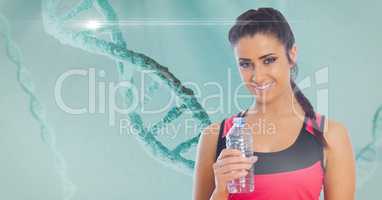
x,y
203,183
339,182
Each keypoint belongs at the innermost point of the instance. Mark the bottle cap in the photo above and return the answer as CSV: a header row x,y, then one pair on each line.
x,y
239,121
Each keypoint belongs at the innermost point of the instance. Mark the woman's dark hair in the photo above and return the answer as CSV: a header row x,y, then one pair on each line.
x,y
271,21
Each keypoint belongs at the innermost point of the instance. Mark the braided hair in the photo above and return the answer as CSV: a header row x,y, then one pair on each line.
x,y
271,21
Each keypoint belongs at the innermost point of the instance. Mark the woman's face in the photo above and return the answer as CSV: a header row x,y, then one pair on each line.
x,y
264,66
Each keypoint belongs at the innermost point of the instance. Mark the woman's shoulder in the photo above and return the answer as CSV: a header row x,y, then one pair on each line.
x,y
339,156
336,133
211,129
207,144
209,135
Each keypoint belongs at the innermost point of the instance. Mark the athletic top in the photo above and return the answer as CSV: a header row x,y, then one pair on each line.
x,y
294,173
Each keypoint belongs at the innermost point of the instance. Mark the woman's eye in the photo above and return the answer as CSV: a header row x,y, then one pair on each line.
x,y
270,60
245,65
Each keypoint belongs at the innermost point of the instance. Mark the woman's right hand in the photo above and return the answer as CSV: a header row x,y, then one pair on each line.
x,y
230,165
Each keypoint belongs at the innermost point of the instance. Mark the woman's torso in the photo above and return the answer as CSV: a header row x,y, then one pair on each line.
x,y
295,172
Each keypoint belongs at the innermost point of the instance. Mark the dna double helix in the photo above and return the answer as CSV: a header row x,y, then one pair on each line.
x,y
47,134
127,62
117,50
367,157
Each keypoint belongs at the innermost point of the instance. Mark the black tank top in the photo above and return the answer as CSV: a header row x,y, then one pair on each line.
x,y
305,151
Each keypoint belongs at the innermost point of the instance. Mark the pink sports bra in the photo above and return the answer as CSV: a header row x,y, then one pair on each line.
x,y
293,173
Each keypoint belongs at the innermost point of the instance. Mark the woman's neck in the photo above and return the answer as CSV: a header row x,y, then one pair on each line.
x,y
283,105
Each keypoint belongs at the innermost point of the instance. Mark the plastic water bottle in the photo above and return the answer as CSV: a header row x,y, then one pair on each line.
x,y
239,137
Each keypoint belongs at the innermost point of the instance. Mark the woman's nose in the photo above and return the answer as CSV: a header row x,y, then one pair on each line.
x,y
258,75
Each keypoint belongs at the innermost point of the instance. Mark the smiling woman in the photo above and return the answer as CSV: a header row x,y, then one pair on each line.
x,y
265,74
307,149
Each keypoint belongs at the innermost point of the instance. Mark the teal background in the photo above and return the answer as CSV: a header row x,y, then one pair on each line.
x,y
104,164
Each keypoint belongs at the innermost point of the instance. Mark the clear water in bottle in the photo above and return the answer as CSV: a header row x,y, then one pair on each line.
x,y
239,137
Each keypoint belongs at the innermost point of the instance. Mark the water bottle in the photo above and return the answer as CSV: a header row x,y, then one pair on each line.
x,y
239,137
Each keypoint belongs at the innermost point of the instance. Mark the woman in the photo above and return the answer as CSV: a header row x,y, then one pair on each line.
x,y
306,152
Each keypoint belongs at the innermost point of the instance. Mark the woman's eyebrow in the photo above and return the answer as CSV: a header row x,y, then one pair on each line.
x,y
261,57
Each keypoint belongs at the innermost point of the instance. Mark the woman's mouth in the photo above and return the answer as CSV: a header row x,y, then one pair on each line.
x,y
263,87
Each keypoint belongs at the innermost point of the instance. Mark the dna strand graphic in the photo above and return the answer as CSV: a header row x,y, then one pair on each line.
x,y
116,49
367,157
47,134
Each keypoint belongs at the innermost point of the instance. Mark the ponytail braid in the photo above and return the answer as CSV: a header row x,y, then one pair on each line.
x,y
309,112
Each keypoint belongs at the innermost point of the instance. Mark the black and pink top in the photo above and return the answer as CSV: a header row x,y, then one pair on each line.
x,y
296,172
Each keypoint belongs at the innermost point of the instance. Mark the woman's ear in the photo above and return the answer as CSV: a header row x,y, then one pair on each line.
x,y
293,54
